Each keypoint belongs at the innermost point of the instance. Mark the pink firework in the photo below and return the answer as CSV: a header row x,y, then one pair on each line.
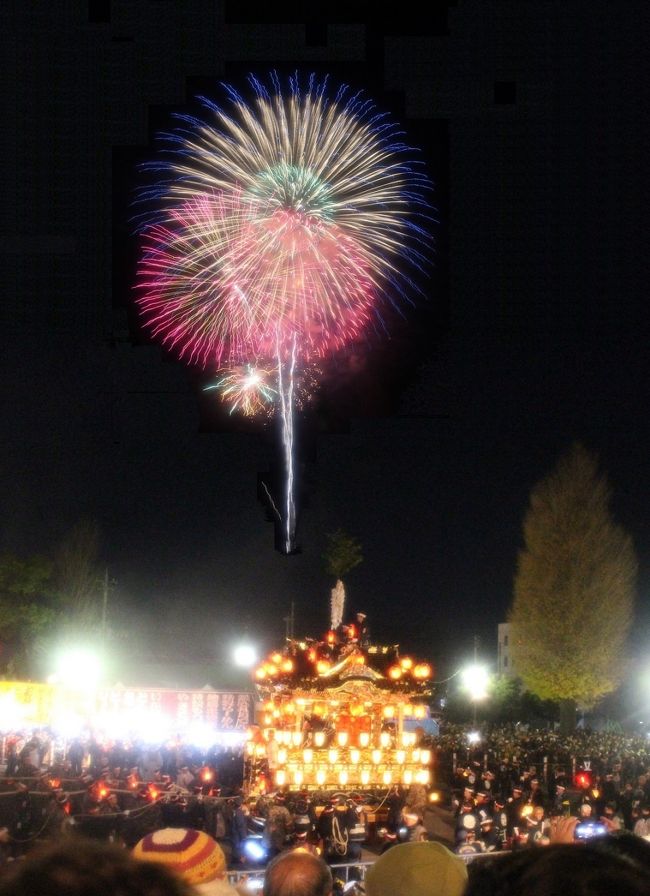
x,y
224,281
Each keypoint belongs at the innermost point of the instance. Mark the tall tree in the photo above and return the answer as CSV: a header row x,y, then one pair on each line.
x,y
574,589
78,579
28,609
342,554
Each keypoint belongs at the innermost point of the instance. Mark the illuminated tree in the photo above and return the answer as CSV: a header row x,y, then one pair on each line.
x,y
573,590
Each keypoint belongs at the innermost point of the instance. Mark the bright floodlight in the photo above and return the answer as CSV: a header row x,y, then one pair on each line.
x,y
245,655
475,681
78,667
473,737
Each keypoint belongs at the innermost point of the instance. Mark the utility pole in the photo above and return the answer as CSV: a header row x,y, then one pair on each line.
x,y
104,606
289,622
474,701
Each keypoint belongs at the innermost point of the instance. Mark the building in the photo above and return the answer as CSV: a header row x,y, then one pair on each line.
x,y
505,664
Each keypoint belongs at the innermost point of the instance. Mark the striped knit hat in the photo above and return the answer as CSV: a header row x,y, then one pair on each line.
x,y
192,854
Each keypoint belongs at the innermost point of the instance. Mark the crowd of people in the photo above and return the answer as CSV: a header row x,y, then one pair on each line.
x,y
509,789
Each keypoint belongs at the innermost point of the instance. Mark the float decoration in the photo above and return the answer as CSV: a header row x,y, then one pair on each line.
x,y
335,716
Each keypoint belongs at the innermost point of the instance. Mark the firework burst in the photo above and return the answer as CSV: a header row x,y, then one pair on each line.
x,y
278,233
292,218
247,390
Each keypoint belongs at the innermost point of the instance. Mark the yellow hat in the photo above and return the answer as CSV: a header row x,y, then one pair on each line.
x,y
425,868
194,855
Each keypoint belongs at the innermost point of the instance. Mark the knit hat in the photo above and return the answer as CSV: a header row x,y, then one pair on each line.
x,y
194,855
425,868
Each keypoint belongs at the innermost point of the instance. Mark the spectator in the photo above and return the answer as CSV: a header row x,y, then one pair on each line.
x,y
417,869
642,826
560,869
297,873
193,855
278,826
76,867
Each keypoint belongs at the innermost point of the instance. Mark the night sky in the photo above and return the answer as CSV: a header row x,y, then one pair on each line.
x,y
533,122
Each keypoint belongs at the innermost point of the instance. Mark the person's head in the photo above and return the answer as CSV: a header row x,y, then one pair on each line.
x,y
586,810
79,867
580,869
193,855
297,873
538,813
426,868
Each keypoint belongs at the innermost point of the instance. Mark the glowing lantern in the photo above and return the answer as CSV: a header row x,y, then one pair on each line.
x,y
527,810
287,666
319,709
276,713
422,670
364,739
260,750
250,748
425,757
395,672
384,739
389,712
297,777
420,712
280,777
407,776
357,709
355,756
311,655
343,776
271,669
408,738
342,738
333,756
422,776
416,755
408,710
282,756
400,757
260,673
319,738
387,776
365,776
289,709
360,660
406,663
268,718
308,756
296,738
330,637
276,658
322,666
320,777
376,756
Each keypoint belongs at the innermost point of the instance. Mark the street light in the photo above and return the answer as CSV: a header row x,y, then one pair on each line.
x,y
475,681
79,668
245,655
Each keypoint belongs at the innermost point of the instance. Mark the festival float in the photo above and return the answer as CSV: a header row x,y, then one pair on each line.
x,y
339,714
